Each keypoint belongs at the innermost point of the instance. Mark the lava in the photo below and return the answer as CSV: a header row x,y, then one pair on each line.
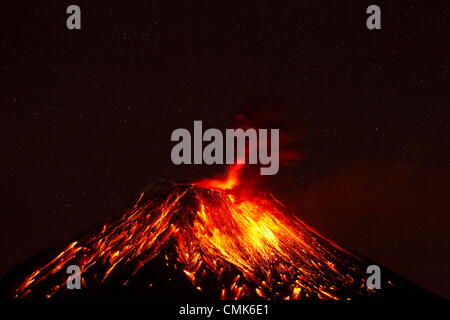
x,y
244,242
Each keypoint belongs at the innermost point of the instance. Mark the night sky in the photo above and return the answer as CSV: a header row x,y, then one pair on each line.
x,y
86,115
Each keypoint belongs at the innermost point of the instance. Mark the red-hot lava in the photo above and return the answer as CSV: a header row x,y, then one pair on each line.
x,y
210,230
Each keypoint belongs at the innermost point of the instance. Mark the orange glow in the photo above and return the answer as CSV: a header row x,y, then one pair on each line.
x,y
230,182
245,241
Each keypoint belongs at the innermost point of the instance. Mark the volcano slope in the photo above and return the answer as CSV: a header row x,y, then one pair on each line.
x,y
182,240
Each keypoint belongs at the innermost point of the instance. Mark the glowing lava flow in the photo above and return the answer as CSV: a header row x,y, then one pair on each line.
x,y
244,244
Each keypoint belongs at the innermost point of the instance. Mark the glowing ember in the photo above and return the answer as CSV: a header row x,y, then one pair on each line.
x,y
208,230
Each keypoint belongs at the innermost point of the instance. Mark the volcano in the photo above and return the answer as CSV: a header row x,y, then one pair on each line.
x,y
210,239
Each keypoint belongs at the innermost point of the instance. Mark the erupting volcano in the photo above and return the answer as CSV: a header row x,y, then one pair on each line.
x,y
210,239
